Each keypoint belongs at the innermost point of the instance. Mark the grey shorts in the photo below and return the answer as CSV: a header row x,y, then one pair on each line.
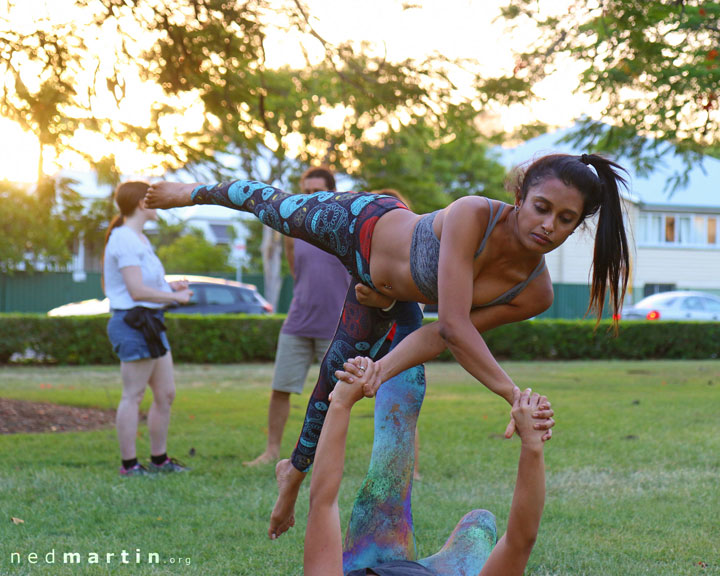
x,y
293,358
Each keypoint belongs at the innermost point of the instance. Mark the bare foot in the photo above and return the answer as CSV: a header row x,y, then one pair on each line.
x,y
417,475
264,458
289,480
169,195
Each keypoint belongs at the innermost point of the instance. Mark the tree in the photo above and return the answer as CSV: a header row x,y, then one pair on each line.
x,y
259,122
193,254
654,64
268,123
29,237
433,165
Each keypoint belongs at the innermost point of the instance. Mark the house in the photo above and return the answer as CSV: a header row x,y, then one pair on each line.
x,y
674,236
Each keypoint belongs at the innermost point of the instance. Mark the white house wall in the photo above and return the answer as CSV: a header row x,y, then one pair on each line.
x,y
687,268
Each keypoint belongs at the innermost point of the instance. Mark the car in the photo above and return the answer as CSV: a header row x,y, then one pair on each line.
x,y
675,305
210,296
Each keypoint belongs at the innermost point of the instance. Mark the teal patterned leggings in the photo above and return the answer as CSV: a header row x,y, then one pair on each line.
x,y
341,224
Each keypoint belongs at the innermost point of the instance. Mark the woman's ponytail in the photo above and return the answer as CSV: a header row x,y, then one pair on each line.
x,y
611,259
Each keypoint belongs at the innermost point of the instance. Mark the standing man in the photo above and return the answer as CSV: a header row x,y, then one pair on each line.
x,y
321,283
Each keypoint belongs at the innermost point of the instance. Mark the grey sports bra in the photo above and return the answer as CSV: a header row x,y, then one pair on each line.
x,y
425,255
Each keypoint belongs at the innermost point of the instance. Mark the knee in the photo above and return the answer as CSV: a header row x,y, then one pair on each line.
x,y
479,520
165,396
133,397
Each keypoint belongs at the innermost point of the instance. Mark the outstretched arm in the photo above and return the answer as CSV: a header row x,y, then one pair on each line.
x,y
427,342
511,554
323,537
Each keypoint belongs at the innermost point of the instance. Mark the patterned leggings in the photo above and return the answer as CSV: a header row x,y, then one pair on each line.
x,y
381,524
341,224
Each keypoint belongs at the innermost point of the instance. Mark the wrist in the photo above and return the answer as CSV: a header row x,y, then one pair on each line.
x,y
532,445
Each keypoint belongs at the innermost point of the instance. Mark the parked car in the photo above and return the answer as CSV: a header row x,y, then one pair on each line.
x,y
210,296
676,305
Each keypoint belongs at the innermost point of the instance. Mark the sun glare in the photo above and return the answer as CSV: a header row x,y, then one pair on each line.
x,y
455,28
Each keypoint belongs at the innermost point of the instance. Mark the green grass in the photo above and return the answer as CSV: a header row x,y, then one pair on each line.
x,y
633,472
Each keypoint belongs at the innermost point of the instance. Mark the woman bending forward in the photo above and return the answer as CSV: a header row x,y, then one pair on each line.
x,y
480,260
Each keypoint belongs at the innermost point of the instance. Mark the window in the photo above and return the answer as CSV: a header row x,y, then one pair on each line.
x,y
693,303
711,305
669,228
650,289
218,295
712,231
682,229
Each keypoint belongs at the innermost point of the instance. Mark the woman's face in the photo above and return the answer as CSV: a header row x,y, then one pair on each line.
x,y
549,214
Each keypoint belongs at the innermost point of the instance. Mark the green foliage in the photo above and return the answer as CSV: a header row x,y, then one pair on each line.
x,y
244,338
655,65
28,234
432,166
193,254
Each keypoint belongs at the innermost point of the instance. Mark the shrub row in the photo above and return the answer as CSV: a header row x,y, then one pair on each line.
x,y
243,338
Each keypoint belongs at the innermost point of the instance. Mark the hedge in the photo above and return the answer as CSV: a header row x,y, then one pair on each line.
x,y
245,338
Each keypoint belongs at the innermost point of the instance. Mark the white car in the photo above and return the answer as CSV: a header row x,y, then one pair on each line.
x,y
210,296
676,305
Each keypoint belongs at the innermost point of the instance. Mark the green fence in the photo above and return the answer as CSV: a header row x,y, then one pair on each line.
x,y
39,292
42,291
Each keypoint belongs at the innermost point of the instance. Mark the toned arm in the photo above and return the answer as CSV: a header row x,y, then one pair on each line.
x,y
511,553
427,342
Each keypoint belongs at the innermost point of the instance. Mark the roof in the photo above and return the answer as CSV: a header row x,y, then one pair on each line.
x,y
649,190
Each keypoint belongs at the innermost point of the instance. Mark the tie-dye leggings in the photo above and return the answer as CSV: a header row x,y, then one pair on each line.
x,y
341,224
381,524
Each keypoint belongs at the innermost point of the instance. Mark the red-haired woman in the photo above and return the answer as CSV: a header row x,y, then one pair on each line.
x,y
134,282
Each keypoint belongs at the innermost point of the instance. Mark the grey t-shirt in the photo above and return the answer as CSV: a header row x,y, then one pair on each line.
x,y
321,283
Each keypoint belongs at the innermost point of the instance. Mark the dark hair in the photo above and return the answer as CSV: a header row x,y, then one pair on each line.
x,y
320,172
600,192
127,195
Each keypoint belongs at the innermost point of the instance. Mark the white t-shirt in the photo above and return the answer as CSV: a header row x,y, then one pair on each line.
x,y
126,248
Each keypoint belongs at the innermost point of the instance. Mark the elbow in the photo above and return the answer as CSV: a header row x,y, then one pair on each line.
x,y
135,294
522,543
449,333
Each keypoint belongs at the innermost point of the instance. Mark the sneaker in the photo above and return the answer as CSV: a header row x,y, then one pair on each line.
x,y
137,470
170,465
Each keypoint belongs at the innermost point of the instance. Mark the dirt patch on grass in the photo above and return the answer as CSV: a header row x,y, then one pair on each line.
x,y
20,416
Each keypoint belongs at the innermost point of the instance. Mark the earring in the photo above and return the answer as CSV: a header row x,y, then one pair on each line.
x,y
517,208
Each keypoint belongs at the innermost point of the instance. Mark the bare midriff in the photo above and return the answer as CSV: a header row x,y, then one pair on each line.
x,y
390,260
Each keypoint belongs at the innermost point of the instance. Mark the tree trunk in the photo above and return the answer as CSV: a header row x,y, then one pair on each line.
x,y
271,248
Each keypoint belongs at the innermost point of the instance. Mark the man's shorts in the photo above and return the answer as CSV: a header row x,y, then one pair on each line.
x,y
293,358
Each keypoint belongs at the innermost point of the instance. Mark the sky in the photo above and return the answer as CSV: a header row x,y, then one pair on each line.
x,y
455,28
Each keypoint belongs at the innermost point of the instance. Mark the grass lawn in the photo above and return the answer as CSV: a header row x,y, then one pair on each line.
x,y
633,472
